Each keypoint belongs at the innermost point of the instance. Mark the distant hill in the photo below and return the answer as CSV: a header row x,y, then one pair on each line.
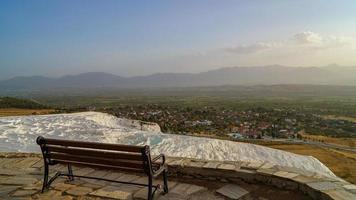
x,y
264,75
10,102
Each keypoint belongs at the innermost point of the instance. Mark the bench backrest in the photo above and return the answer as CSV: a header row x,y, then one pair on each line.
x,y
112,156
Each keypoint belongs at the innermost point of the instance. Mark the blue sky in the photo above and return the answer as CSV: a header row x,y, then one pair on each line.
x,y
129,38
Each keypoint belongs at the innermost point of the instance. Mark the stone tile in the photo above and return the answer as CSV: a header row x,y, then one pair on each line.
x,y
10,162
76,167
34,176
53,195
79,191
113,175
34,171
284,174
232,191
171,184
207,196
172,196
18,180
9,172
2,160
113,192
58,167
254,165
246,171
340,195
283,183
38,164
142,180
243,164
91,185
129,188
329,179
15,198
211,165
62,186
179,162
88,198
76,181
83,171
4,190
187,189
193,189
350,187
323,185
267,171
23,193
267,165
193,163
36,186
245,175
169,160
227,166
295,170
27,162
305,179
126,178
340,183
96,182
142,193
99,173
64,179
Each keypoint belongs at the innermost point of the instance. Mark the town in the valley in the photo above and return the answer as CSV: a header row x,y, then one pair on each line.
x,y
256,123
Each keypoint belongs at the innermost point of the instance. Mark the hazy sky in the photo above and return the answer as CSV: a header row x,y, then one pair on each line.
x,y
142,37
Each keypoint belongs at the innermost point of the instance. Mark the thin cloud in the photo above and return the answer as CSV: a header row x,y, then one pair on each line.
x,y
304,40
307,37
317,41
248,49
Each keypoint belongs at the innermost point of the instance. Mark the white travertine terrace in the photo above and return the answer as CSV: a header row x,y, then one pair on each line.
x,y
18,134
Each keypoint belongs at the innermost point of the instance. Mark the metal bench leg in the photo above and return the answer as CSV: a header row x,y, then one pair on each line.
x,y
165,181
53,178
150,195
45,177
70,173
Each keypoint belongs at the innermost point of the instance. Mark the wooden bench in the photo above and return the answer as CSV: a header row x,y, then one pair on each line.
x,y
100,155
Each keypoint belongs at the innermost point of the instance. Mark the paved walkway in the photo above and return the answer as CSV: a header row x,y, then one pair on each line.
x,y
21,174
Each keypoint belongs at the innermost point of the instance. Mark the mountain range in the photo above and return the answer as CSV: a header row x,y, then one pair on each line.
x,y
263,75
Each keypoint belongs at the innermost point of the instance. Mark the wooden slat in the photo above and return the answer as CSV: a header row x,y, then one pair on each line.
x,y
95,160
95,153
98,166
94,145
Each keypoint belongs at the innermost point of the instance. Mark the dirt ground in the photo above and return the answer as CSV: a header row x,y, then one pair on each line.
x,y
348,142
342,163
18,111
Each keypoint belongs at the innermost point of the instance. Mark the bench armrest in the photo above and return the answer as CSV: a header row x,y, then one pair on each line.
x,y
162,166
160,156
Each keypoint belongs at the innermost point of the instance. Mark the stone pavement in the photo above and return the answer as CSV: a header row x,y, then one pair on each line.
x,y
21,178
